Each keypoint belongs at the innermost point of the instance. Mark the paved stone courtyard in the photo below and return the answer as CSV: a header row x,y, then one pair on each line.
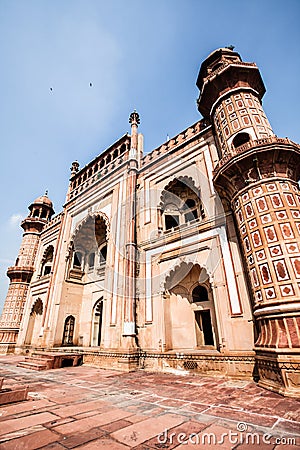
x,y
90,408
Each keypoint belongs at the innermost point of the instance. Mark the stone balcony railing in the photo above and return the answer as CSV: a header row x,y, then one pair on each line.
x,y
176,141
54,221
234,151
100,166
226,64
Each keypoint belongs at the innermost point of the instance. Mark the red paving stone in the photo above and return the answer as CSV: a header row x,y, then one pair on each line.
x,y
78,408
240,416
82,438
168,440
115,426
30,405
91,408
213,436
101,444
18,424
140,432
31,441
90,422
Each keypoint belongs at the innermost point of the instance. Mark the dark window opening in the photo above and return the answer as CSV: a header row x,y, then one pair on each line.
x,y
190,203
108,159
171,222
115,154
103,254
98,316
191,215
47,270
36,213
91,260
200,294
77,260
240,139
123,149
44,214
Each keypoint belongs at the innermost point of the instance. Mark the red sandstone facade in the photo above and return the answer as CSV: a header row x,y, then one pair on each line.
x,y
187,258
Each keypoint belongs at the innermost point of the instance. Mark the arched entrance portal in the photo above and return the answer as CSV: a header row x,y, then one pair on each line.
x,y
189,313
68,335
34,323
97,323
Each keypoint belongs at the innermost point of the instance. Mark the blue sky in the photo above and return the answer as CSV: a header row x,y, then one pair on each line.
x,y
137,54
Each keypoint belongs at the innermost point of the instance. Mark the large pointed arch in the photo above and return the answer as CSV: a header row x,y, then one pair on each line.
x,y
180,203
176,274
94,215
185,180
97,226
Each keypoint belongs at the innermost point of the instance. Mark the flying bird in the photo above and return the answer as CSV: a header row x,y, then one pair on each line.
x,y
91,84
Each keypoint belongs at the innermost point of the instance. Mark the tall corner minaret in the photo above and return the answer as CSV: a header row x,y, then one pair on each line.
x,y
257,176
40,212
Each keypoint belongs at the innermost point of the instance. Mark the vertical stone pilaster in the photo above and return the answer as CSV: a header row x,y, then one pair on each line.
x,y
129,325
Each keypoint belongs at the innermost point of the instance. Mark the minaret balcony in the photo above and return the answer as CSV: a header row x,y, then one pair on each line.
x,y
20,273
248,147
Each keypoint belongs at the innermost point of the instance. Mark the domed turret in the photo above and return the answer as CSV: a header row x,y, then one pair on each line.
x,y
42,207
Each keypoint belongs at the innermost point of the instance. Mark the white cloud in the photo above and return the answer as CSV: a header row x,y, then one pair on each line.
x,y
15,219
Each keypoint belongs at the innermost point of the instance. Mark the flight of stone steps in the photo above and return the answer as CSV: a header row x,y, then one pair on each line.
x,y
50,360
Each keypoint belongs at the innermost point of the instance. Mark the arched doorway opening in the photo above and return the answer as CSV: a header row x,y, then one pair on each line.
x,y
68,335
189,312
97,323
34,323
203,321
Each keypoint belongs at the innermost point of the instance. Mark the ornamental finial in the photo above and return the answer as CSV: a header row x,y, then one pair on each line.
x,y
74,168
134,118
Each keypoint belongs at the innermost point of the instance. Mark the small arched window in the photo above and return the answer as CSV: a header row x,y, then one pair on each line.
x,y
200,294
240,139
47,261
69,330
